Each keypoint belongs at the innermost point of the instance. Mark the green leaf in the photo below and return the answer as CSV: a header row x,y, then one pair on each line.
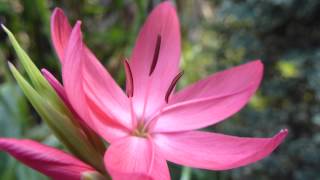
x,y
39,82
186,173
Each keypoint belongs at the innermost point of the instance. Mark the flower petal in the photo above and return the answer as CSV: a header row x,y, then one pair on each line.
x,y
162,22
102,88
135,155
57,86
109,129
72,73
49,161
215,151
84,79
60,32
223,83
211,100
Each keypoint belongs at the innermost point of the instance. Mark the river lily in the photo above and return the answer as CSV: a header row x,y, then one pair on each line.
x,y
150,123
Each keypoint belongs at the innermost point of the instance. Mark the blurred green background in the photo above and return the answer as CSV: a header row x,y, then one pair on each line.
x,y
217,34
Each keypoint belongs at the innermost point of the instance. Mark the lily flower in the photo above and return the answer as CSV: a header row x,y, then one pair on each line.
x,y
151,123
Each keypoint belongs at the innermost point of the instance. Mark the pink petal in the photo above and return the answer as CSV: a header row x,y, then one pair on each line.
x,y
60,91
162,21
223,83
49,161
79,75
56,85
215,151
131,176
109,129
72,72
108,132
103,90
60,32
135,155
211,100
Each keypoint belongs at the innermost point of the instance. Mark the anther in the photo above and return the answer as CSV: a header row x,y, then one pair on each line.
x,y
129,78
172,85
155,55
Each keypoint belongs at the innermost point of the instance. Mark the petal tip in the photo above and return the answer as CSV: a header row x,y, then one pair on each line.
x,y
1,26
4,28
57,10
284,131
77,27
10,64
257,63
78,23
166,6
258,67
57,14
44,71
281,135
76,33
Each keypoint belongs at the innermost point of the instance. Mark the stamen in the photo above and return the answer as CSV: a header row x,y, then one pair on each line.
x,y
129,79
172,85
155,55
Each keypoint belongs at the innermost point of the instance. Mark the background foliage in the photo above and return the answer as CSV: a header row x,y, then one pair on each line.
x,y
217,34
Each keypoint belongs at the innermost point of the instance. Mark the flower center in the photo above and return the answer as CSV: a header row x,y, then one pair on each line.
x,y
140,130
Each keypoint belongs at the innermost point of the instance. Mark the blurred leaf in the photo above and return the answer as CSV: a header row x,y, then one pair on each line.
x,y
288,69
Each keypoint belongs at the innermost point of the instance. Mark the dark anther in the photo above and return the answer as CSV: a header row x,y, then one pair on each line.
x,y
172,85
129,79
155,55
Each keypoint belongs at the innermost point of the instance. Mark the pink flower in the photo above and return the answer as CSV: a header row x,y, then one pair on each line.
x,y
151,123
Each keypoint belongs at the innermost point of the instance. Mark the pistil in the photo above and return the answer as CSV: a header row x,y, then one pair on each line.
x,y
140,131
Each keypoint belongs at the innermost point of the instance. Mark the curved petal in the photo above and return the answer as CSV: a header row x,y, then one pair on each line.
x,y
60,32
211,100
100,88
103,89
135,155
77,79
222,83
88,131
161,24
215,151
57,86
49,161
109,129
72,73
